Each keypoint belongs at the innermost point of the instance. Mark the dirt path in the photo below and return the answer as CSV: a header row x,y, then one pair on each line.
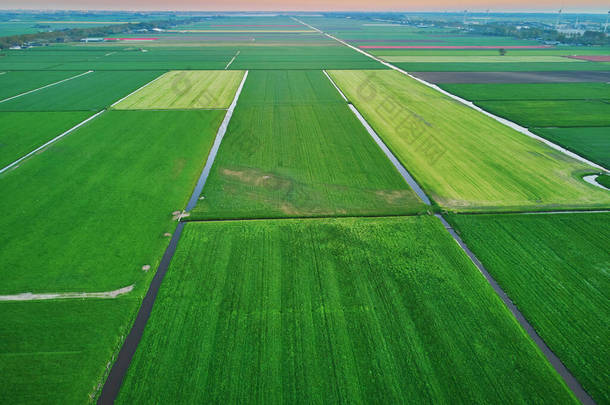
x,y
60,296
592,179
44,87
231,61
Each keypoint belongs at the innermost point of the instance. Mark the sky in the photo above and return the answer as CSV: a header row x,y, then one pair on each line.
x,y
314,5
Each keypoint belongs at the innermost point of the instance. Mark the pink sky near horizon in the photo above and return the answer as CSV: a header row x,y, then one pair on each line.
x,y
313,5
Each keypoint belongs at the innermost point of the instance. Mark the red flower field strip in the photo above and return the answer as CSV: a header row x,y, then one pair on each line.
x,y
455,47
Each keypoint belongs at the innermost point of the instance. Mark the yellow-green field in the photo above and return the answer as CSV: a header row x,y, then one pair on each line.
x,y
186,90
462,158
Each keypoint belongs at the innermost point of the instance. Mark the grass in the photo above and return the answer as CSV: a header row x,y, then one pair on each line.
x,y
604,180
592,143
294,149
58,351
23,132
544,113
332,311
92,210
555,269
13,83
477,59
531,91
463,159
91,92
186,90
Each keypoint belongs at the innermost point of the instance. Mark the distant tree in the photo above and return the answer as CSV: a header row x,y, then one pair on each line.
x,y
502,51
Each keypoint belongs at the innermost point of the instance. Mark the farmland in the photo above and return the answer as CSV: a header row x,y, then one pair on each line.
x,y
352,311
186,90
294,149
592,143
267,243
94,91
530,91
118,199
464,160
545,113
555,268
25,131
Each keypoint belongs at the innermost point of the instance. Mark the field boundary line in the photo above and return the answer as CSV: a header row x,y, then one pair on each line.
x,y
215,147
140,88
114,380
467,103
55,296
384,148
44,87
57,138
551,357
313,218
232,59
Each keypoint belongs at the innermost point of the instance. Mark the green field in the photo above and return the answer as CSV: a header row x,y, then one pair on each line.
x,y
502,67
186,90
96,231
555,269
332,311
18,82
530,91
23,132
604,180
292,149
545,113
58,351
478,59
592,143
94,91
463,159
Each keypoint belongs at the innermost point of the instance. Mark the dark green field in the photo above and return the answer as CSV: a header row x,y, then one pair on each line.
x,y
537,91
555,269
23,132
576,113
57,351
294,149
93,91
332,311
502,67
16,82
96,231
592,143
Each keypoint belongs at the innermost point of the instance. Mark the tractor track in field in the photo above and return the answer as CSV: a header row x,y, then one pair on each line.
x,y
571,382
112,385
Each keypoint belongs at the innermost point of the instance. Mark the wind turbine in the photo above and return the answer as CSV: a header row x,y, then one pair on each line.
x,y
465,13
558,18
606,26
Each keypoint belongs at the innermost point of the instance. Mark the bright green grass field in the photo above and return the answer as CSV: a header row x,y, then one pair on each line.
x,y
91,92
592,143
294,149
56,352
23,132
462,158
556,270
478,59
186,90
332,311
530,91
92,209
13,83
561,113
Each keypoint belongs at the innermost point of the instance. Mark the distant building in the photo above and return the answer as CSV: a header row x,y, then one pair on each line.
x,y
570,32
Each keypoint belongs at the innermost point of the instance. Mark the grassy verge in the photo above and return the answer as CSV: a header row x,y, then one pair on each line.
x,y
555,269
331,311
